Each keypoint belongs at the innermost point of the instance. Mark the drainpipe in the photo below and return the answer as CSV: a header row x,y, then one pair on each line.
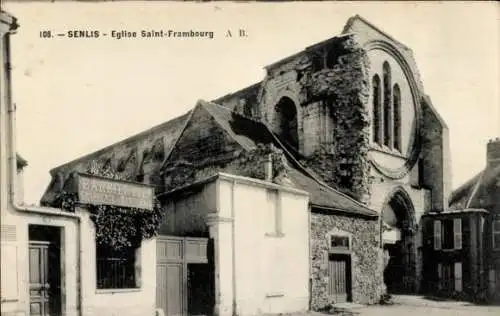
x,y
12,158
309,240
233,246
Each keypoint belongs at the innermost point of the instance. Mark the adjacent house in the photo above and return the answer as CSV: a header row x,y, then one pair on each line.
x,y
463,243
51,263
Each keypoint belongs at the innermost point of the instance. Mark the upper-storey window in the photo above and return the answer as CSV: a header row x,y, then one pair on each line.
x,y
396,107
496,233
387,104
448,234
377,110
387,109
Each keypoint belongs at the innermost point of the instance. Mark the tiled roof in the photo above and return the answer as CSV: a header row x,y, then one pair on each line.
x,y
482,191
248,133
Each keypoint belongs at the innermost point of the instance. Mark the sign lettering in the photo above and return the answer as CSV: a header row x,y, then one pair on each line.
x,y
111,192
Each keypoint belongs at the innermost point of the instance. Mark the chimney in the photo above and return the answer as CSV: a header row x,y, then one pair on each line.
x,y
268,165
493,152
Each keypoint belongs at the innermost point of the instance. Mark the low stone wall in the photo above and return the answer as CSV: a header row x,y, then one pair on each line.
x,y
366,258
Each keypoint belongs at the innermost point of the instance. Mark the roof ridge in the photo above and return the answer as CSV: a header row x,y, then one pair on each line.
x,y
351,20
206,105
476,187
464,186
308,173
225,108
295,161
174,143
240,91
131,138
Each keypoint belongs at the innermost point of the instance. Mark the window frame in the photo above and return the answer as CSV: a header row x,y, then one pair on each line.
x,y
437,235
342,237
128,258
456,234
453,279
396,119
336,233
387,139
377,110
494,232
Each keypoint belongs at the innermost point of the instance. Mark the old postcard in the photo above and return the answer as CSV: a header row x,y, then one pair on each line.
x,y
250,158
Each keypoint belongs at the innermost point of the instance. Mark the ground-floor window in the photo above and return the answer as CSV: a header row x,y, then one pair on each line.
x,y
496,233
450,276
115,269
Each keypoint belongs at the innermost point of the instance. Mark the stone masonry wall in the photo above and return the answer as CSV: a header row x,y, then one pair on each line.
x,y
313,127
434,153
366,258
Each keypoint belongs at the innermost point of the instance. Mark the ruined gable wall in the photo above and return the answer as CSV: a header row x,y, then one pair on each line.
x,y
329,88
435,155
244,102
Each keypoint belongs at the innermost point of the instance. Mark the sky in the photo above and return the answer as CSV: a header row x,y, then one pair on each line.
x,y
75,96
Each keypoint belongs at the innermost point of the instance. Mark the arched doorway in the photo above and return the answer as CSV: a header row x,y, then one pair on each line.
x,y
399,235
285,123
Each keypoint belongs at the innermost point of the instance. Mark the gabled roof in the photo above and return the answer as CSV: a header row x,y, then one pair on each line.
x,y
242,92
173,124
357,17
249,133
481,191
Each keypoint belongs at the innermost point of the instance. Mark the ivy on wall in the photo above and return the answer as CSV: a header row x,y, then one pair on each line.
x,y
345,88
117,228
245,163
253,162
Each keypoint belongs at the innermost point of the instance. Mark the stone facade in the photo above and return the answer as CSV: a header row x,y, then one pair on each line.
x,y
317,107
436,173
365,252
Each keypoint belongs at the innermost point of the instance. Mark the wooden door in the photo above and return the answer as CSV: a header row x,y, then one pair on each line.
x,y
170,276
176,258
339,282
39,278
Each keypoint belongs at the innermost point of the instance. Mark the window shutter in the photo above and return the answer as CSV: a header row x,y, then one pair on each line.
x,y
496,232
440,275
437,235
457,231
458,276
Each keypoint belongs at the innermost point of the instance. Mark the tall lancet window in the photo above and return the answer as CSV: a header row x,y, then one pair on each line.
x,y
396,107
377,110
387,105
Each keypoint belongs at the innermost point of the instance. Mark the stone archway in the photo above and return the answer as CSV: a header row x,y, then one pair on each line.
x,y
285,122
399,233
